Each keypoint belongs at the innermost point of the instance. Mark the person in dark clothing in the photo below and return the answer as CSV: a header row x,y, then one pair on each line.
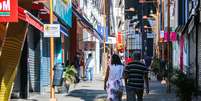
x,y
163,68
77,66
148,62
134,79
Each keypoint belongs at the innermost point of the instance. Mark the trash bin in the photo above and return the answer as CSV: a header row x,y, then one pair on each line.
x,y
58,73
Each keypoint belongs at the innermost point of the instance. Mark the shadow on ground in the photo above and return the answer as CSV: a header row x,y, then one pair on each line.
x,y
24,100
88,95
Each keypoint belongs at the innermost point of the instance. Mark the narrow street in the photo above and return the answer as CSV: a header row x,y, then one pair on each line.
x,y
45,42
93,91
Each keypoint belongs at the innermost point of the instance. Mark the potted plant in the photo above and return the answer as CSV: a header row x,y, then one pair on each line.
x,y
69,76
185,86
155,67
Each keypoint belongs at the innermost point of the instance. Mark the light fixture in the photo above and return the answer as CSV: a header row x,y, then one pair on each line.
x,y
131,9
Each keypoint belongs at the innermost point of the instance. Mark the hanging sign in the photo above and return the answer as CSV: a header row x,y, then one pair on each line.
x,y
51,30
89,45
8,10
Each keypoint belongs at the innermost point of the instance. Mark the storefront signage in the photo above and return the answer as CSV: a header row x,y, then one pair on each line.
x,y
51,30
111,40
89,45
8,10
120,45
63,8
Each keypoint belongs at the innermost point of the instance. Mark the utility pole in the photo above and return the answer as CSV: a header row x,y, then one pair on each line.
x,y
163,29
104,61
142,29
168,46
52,90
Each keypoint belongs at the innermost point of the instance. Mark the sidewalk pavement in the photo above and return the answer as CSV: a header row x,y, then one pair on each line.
x,y
93,91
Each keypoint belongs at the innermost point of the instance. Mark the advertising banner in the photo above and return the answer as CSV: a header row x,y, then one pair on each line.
x,y
63,8
8,10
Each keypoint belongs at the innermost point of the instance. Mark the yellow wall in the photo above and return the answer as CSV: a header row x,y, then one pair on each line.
x,y
10,57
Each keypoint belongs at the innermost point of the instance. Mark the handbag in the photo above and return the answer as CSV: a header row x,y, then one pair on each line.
x,y
118,86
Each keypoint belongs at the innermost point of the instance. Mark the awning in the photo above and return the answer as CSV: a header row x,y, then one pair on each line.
x,y
90,26
63,29
31,19
28,17
180,28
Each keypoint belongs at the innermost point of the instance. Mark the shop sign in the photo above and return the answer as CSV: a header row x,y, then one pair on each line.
x,y
8,10
89,45
111,40
51,30
120,45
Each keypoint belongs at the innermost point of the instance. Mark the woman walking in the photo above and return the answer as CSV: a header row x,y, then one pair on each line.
x,y
113,79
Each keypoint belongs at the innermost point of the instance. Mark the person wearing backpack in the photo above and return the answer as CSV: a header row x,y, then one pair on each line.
x,y
113,83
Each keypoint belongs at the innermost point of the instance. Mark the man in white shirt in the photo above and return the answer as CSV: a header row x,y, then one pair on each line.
x,y
90,64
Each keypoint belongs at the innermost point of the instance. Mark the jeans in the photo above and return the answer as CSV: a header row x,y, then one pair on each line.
x,y
89,73
78,72
131,94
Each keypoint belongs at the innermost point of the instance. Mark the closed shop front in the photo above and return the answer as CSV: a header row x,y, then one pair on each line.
x,y
192,52
199,56
34,60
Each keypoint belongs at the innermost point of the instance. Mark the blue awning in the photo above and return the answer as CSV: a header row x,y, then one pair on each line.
x,y
63,29
90,26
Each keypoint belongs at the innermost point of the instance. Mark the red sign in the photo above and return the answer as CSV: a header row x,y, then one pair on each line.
x,y
8,10
27,17
119,38
120,45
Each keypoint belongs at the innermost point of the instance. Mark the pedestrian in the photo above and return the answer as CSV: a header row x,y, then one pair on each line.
x,y
163,70
113,79
134,79
90,64
148,62
77,66
82,66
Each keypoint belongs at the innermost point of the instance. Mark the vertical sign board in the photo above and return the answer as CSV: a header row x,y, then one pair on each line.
x,y
119,41
51,30
63,8
8,10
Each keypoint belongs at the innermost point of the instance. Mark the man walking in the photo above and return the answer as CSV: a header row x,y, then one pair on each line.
x,y
90,64
148,62
134,79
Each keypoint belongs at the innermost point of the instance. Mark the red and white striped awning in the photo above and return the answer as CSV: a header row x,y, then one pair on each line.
x,y
29,18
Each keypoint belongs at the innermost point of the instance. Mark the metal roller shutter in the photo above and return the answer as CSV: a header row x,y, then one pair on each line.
x,y
33,62
199,58
45,65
